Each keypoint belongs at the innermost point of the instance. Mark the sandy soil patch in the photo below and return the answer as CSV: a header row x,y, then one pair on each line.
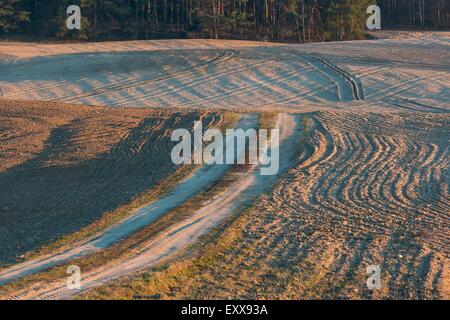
x,y
398,73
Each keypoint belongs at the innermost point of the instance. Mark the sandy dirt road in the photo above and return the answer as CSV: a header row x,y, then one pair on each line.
x,y
68,167
184,233
199,181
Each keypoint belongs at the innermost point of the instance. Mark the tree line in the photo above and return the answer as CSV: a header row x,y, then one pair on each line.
x,y
427,14
280,20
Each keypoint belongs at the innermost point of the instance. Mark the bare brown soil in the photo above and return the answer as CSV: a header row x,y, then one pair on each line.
x,y
64,166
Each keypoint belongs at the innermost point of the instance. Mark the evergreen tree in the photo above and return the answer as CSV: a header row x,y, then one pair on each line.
x,y
11,15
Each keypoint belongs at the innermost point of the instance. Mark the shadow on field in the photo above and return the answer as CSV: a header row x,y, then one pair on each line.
x,y
41,200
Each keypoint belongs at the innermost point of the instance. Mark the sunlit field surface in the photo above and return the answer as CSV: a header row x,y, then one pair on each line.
x,y
86,176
